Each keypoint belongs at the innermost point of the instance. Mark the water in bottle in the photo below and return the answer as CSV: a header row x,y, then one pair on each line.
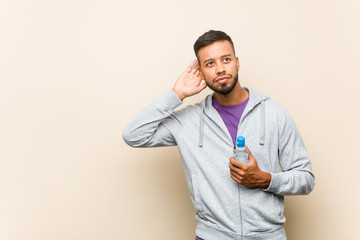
x,y
240,153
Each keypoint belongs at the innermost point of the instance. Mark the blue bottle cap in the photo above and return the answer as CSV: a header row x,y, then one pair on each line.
x,y
240,141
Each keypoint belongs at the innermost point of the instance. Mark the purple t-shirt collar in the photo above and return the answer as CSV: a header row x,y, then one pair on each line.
x,y
230,115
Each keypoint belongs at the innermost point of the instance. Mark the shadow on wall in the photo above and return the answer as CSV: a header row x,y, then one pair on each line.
x,y
297,208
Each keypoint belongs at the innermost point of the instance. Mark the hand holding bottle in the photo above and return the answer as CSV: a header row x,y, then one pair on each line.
x,y
249,174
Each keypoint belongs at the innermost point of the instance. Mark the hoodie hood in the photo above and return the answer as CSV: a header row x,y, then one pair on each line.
x,y
255,99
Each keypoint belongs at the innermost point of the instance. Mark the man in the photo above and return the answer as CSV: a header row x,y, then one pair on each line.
x,y
233,200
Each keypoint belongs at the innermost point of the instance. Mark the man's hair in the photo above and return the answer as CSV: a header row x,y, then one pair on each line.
x,y
209,38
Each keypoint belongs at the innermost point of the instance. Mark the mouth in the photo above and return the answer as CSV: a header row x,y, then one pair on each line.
x,y
222,79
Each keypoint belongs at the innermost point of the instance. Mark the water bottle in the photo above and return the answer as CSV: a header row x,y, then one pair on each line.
x,y
240,153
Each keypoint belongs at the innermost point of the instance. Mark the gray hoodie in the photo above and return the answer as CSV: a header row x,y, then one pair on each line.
x,y
224,208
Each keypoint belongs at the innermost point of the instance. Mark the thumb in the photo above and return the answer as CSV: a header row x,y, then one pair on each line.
x,y
250,156
202,85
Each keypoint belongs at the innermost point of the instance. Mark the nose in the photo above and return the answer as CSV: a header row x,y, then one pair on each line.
x,y
220,70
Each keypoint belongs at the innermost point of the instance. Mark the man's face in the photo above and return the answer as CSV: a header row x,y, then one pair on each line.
x,y
219,66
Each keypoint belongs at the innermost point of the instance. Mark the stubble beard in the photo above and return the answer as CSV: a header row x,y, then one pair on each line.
x,y
223,89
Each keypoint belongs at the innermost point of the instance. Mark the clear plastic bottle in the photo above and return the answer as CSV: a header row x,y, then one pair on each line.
x,y
240,153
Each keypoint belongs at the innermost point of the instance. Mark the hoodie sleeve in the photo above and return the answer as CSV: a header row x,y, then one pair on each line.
x,y
296,177
147,129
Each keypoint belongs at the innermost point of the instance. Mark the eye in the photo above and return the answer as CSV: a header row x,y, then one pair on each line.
x,y
209,64
226,59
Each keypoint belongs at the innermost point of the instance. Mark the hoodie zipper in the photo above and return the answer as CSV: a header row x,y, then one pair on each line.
x,y
239,187
215,113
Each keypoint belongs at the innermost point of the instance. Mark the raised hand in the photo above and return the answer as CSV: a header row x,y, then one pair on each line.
x,y
189,83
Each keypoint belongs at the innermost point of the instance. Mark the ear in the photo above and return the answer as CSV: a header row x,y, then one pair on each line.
x,y
198,63
201,74
237,63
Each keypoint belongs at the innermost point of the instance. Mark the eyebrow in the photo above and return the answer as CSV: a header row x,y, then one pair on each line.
x,y
211,59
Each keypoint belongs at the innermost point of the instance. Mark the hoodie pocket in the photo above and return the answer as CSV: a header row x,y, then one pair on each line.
x,y
262,211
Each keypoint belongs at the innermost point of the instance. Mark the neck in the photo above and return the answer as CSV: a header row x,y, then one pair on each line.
x,y
236,96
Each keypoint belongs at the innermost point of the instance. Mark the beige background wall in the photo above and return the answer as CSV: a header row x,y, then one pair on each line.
x,y
73,73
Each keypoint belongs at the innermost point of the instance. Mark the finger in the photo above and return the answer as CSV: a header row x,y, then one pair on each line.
x,y
239,171
251,157
198,76
195,70
247,149
233,163
237,164
237,174
236,177
231,166
192,65
201,75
